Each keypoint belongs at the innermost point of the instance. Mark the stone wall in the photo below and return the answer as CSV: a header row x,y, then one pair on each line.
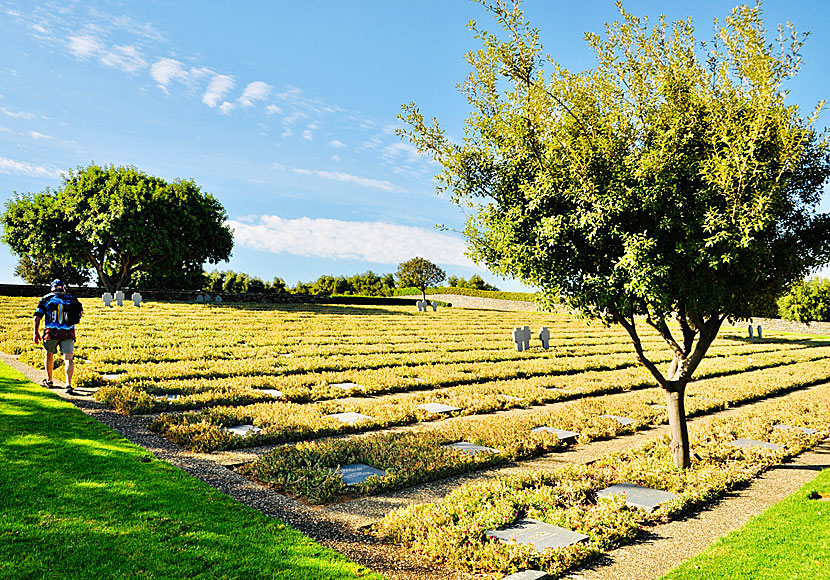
x,y
780,325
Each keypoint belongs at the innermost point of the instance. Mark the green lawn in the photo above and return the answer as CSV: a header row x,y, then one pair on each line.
x,y
79,501
790,541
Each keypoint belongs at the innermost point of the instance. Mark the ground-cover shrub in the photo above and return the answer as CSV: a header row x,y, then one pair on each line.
x,y
453,530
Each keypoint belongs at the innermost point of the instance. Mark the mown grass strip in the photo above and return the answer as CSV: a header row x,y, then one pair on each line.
x,y
789,540
78,501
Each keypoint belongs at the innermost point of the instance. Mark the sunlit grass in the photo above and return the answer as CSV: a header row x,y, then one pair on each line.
x,y
79,501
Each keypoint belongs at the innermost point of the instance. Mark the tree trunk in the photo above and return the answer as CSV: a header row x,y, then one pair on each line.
x,y
675,392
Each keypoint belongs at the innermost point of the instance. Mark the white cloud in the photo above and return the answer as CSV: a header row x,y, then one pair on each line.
x,y
375,242
166,70
255,91
17,114
397,150
337,143
37,135
14,167
348,178
308,135
273,109
217,88
226,108
84,46
125,58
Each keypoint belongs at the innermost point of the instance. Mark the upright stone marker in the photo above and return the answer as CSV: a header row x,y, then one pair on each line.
x,y
760,336
750,332
207,297
107,298
637,496
200,298
136,298
435,306
119,298
518,338
544,336
538,534
218,298
526,337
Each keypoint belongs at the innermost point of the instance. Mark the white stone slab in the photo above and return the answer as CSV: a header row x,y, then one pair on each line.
x,y
528,575
637,496
537,534
169,397
438,408
345,386
805,430
112,376
243,430
659,407
351,417
273,392
563,435
472,448
358,473
620,420
754,443
509,397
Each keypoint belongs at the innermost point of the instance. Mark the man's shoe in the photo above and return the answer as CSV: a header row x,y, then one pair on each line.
x,y
70,390
47,383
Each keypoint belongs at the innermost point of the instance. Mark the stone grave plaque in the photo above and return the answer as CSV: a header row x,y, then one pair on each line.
x,y
345,386
472,448
509,397
753,443
358,473
111,376
638,496
351,417
538,534
243,430
272,392
659,407
564,436
528,575
438,408
287,354
805,430
620,420
171,397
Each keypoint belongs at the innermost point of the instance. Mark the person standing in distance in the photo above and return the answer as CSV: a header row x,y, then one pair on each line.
x,y
61,313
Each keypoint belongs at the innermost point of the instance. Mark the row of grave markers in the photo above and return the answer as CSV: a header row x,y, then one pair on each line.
x,y
521,337
424,304
206,298
119,298
760,334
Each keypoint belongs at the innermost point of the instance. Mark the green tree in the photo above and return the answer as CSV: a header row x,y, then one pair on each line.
x,y
671,187
807,301
42,269
119,221
419,273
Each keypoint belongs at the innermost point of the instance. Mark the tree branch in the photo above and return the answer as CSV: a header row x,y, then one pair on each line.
x,y
638,347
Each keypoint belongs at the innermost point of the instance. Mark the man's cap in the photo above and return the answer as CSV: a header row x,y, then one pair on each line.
x,y
58,284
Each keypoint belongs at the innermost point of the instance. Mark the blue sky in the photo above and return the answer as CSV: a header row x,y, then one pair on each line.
x,y
286,111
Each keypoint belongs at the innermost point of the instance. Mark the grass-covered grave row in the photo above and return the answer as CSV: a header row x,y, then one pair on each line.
x,y
308,469
453,531
283,422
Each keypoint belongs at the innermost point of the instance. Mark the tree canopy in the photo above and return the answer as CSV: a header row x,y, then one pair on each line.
x,y
121,222
671,185
419,273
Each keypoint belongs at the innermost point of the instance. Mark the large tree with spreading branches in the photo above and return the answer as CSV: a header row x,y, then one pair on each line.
x,y
671,187
120,222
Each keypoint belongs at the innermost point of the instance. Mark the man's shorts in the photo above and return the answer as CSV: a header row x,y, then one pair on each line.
x,y
66,345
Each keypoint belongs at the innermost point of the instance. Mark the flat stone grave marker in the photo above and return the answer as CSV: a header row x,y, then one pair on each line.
x,y
472,448
620,420
563,435
112,376
638,496
659,407
438,408
170,397
537,534
345,386
243,430
287,354
805,430
351,417
508,397
753,443
528,575
273,392
358,473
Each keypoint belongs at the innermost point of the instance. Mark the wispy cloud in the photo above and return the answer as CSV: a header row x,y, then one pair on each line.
x,y
14,167
357,180
217,88
38,135
125,58
17,114
85,46
255,91
376,242
166,70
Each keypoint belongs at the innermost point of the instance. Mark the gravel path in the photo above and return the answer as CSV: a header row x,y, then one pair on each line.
x,y
338,527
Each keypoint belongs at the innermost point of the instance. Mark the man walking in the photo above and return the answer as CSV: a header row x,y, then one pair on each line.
x,y
61,312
